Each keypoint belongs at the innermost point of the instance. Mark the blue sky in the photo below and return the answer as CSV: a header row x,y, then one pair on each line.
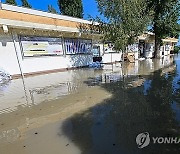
x,y
90,6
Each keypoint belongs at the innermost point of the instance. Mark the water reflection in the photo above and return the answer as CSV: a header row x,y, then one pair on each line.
x,y
103,111
143,102
4,87
54,86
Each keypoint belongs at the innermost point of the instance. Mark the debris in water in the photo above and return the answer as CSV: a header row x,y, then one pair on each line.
x,y
95,65
4,76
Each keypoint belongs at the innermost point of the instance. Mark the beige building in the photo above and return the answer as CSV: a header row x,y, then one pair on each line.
x,y
36,42
147,43
40,42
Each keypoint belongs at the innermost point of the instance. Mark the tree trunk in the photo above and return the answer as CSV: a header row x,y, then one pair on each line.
x,y
157,42
157,47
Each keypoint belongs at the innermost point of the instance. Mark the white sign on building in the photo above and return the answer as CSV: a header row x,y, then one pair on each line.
x,y
41,46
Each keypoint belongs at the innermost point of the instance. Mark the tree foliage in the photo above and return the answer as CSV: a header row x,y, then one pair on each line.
x,y
51,9
72,8
126,19
11,2
164,16
26,4
176,49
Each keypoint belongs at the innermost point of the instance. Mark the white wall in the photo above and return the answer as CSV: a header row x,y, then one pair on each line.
x,y
149,50
163,49
111,57
49,63
101,49
148,54
8,60
167,52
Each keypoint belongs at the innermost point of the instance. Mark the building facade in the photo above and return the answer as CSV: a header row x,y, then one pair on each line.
x,y
146,45
36,42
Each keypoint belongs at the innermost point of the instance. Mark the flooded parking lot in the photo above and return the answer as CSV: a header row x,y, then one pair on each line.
x,y
88,111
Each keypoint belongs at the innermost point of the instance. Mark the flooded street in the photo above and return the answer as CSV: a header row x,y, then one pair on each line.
x,y
89,111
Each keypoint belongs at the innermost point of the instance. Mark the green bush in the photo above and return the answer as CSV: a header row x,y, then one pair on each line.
x,y
176,49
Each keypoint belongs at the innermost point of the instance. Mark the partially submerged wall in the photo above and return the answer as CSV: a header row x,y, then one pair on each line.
x,y
8,60
32,65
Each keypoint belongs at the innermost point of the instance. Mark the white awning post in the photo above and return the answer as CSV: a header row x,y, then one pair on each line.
x,y
20,68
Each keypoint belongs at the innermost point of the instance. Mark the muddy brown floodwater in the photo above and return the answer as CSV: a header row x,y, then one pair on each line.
x,y
89,111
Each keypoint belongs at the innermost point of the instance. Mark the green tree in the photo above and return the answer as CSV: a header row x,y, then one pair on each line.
x,y
176,49
51,9
26,4
126,19
165,16
72,8
11,2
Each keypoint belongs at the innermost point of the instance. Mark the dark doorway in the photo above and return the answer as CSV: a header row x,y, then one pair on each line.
x,y
141,48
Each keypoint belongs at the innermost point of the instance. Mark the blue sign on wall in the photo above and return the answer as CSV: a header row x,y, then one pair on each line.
x,y
75,46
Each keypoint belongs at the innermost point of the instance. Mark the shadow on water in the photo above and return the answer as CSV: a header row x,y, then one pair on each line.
x,y
138,104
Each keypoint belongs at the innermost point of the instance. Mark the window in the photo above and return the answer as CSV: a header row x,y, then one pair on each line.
x,y
167,47
41,46
96,51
